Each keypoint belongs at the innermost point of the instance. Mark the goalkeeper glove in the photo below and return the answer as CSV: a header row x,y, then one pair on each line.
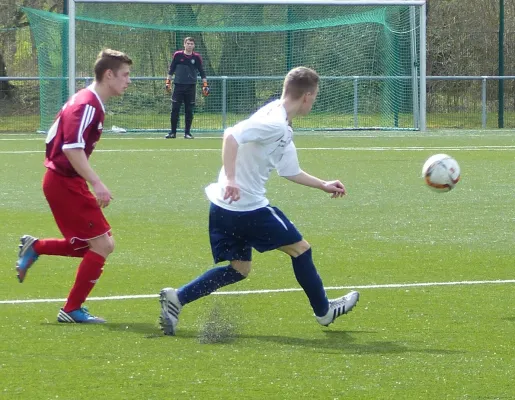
x,y
168,85
205,89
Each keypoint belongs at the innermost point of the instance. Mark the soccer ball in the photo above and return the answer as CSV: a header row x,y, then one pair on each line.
x,y
441,172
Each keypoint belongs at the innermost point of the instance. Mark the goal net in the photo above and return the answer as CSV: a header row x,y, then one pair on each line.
x,y
370,60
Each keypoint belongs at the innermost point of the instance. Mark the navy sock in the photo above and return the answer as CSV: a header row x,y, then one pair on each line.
x,y
310,281
208,282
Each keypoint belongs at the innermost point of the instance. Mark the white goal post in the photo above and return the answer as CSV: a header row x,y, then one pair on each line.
x,y
418,51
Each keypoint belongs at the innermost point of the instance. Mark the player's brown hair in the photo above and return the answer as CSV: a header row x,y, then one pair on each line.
x,y
110,59
299,81
188,39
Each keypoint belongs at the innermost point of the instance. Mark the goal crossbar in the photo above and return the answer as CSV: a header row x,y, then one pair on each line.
x,y
273,2
421,92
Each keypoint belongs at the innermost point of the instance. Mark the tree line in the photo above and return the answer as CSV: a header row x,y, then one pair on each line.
x,y
462,39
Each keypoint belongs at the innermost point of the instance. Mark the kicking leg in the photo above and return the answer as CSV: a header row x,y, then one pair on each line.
x,y
307,275
326,311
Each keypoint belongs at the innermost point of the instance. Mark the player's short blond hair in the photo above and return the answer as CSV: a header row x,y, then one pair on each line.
x,y
110,59
299,81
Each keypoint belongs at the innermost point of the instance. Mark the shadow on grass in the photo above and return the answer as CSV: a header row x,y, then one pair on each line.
x,y
333,342
144,328
343,342
148,330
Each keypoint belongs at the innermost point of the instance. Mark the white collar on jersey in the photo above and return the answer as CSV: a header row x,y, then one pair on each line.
x,y
279,104
90,88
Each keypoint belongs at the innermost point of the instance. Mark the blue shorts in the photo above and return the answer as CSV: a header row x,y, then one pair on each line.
x,y
233,234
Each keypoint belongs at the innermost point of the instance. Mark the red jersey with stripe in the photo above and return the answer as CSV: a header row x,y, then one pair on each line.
x,y
79,124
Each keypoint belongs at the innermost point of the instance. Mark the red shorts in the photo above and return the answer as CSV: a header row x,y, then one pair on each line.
x,y
75,209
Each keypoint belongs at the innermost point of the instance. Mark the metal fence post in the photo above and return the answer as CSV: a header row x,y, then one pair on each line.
x,y
483,103
224,102
355,102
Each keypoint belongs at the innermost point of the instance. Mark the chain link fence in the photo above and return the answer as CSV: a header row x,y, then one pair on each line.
x,y
451,102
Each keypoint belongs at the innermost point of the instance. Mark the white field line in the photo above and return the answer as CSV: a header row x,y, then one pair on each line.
x,y
325,134
267,291
42,137
387,148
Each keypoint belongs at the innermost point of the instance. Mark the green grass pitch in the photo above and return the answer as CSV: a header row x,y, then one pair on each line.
x,y
419,331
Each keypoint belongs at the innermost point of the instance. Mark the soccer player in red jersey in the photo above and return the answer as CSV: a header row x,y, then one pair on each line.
x,y
77,211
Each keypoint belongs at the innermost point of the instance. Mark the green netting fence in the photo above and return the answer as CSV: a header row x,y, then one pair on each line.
x,y
367,57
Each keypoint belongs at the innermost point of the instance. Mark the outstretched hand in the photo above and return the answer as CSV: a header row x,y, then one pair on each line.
x,y
336,188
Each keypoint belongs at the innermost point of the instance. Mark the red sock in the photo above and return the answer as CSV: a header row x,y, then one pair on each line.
x,y
58,247
88,273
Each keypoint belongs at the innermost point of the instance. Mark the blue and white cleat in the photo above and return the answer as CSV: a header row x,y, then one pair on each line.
x,y
80,316
26,256
170,309
340,306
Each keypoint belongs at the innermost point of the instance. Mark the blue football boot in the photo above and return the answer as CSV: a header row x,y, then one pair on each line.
x,y
80,316
26,256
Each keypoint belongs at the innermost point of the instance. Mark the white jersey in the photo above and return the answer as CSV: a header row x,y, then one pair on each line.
x,y
265,143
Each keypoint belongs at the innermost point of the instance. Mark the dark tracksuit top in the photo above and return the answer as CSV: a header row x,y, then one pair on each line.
x,y
185,68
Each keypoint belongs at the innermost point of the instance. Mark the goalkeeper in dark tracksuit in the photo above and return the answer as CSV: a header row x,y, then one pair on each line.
x,y
183,69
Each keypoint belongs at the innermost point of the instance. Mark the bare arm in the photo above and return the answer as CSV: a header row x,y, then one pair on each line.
x,y
80,163
229,153
335,187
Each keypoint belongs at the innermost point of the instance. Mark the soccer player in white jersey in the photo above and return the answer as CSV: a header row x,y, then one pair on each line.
x,y
77,211
241,217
